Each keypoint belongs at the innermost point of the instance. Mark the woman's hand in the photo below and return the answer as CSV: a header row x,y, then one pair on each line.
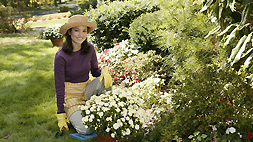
x,y
107,77
62,123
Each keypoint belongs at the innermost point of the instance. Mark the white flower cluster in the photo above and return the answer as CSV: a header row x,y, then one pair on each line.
x,y
119,52
117,113
52,32
154,100
149,89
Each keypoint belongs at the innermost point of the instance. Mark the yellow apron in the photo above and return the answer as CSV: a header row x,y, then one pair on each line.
x,y
74,96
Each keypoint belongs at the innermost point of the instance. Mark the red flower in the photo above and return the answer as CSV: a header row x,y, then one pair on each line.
x,y
117,43
105,51
113,71
125,73
102,59
108,60
249,135
122,59
122,76
138,81
223,99
134,76
115,78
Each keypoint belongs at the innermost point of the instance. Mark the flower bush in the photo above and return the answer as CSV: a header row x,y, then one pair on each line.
x,y
215,102
52,32
115,58
117,113
128,66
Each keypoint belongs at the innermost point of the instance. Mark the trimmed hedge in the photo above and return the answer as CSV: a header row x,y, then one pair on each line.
x,y
113,20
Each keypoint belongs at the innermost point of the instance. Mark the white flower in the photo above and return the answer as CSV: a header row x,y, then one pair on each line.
x,y
137,127
92,116
101,114
214,128
85,119
112,135
108,129
131,122
128,131
115,126
109,119
87,112
230,130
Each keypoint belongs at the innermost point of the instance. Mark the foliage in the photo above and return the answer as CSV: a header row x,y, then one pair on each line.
x,y
52,32
210,102
86,4
116,113
6,25
176,33
64,9
113,20
234,29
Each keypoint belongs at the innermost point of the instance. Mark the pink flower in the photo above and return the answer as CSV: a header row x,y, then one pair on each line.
x,y
122,59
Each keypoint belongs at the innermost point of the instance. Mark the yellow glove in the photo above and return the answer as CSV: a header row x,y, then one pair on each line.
x,y
107,77
62,123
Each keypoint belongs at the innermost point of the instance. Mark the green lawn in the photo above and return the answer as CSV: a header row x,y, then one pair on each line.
x,y
27,95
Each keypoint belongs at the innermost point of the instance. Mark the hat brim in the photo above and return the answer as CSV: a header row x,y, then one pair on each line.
x,y
90,25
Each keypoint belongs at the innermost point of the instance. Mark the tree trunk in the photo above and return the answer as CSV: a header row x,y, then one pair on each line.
x,y
55,3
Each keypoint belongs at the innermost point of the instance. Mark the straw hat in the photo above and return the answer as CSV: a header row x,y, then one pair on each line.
x,y
78,20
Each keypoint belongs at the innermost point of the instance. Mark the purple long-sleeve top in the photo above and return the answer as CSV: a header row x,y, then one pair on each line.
x,y
73,68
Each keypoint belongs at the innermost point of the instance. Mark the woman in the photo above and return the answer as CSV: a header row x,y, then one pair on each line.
x,y
72,65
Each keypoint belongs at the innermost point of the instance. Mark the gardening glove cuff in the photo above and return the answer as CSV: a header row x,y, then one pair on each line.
x,y
107,77
62,123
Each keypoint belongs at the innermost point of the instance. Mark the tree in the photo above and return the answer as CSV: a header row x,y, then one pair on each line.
x,y
234,29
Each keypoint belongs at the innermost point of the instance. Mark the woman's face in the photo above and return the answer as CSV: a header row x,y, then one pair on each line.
x,y
78,34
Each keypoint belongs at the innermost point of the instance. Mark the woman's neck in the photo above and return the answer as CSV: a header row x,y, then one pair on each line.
x,y
76,46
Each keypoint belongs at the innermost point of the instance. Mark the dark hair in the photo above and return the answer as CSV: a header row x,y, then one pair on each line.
x,y
67,46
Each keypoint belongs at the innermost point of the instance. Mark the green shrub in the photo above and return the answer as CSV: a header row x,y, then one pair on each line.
x,y
86,4
113,20
64,9
212,97
177,34
6,24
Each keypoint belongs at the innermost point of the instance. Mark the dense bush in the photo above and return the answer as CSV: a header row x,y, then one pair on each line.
x,y
177,33
86,4
6,24
211,102
113,20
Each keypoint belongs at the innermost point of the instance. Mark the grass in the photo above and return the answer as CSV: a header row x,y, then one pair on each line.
x,y
27,95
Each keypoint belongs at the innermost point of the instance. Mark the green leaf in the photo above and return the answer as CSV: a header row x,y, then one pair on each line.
x,y
228,29
199,138
204,136
213,31
246,13
190,137
242,49
248,61
236,49
207,5
232,5
229,37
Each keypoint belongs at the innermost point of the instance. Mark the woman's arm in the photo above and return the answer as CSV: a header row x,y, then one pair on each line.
x,y
59,74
